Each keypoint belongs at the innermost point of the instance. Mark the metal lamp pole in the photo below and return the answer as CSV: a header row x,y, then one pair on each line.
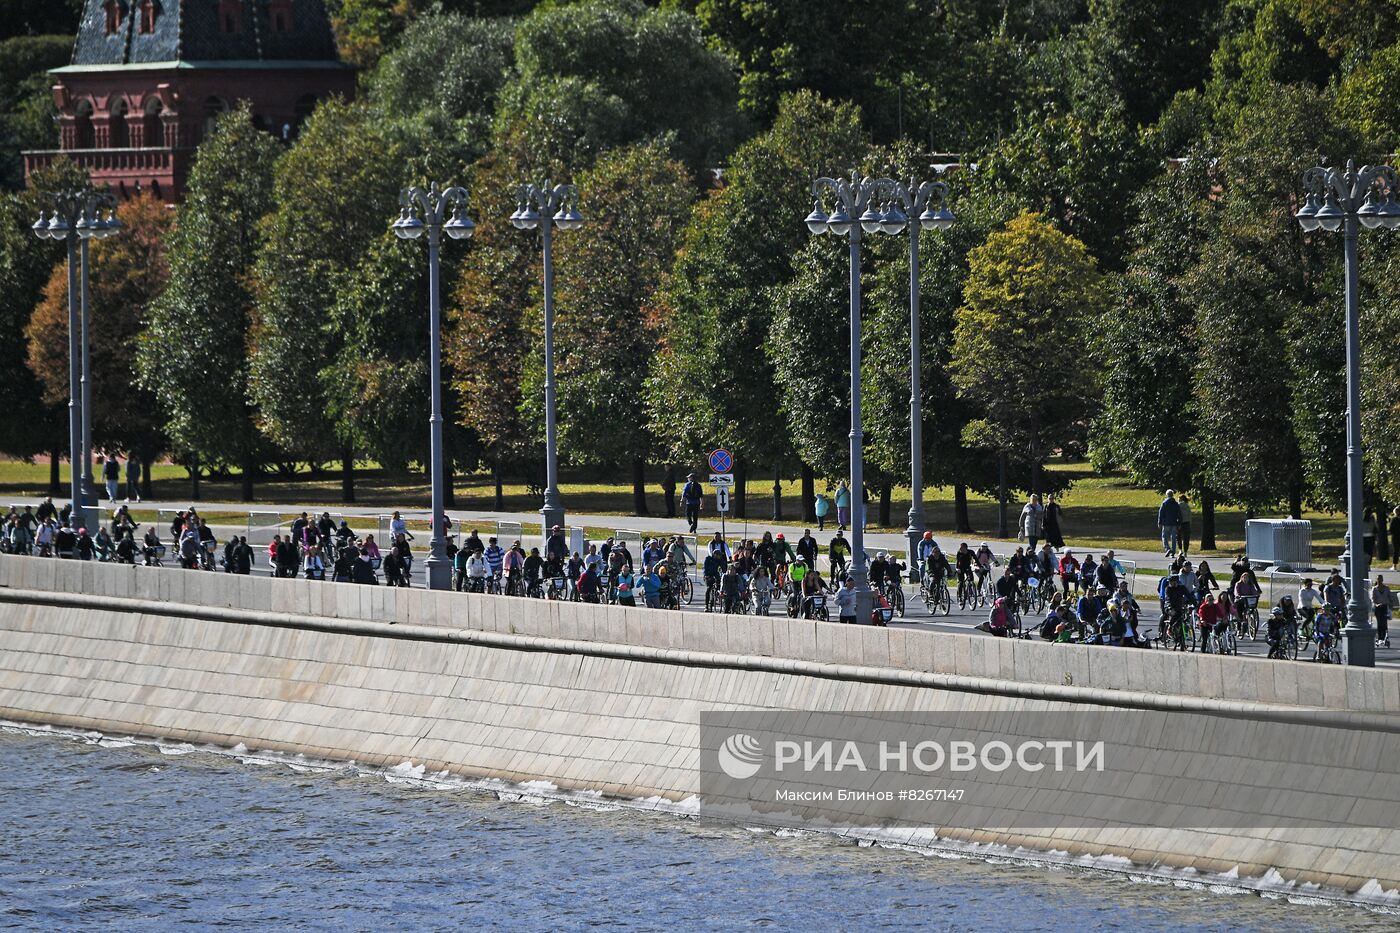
x,y
1347,200
558,203
433,205
856,212
77,217
918,201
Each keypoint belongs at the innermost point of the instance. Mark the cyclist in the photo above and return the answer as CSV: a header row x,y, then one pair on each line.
x,y
652,583
717,546
762,585
1006,584
1089,574
1209,614
624,587
495,557
1069,572
555,547
534,569
877,570
936,566
1046,562
732,589
1324,630
963,561
926,547
1277,627
459,569
1247,592
783,552
798,575
985,561
1090,607
1309,599
1290,616
837,550
1335,595
763,552
812,585
588,586
713,570
512,569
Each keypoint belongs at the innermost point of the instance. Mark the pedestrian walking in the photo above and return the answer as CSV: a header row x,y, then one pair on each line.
x,y
112,475
1053,535
843,505
1032,521
822,507
133,478
690,498
1183,528
1383,602
1395,538
1169,522
1368,534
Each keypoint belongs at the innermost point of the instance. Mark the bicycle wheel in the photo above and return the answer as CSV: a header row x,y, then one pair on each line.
x,y
1290,648
1253,625
710,599
962,595
897,600
687,592
945,600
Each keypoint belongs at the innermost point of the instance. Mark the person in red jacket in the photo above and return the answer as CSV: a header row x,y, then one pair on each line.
x,y
1210,615
1069,572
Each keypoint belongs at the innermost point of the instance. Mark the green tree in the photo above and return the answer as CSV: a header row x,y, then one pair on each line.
x,y
597,74
27,112
712,382
333,198
28,424
441,82
126,274
1029,286
193,354
637,201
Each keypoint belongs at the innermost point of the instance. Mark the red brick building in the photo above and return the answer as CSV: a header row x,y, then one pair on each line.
x,y
149,76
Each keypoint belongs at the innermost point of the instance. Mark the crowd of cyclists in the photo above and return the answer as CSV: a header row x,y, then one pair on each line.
x,y
1068,600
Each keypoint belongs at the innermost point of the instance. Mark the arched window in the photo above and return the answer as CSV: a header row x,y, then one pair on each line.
x,y
113,9
83,125
230,16
279,13
117,135
213,107
148,16
154,129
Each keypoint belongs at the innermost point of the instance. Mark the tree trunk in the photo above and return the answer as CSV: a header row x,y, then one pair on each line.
x,y
194,476
347,476
498,504
1295,501
146,464
777,494
885,496
961,518
1035,474
741,479
809,494
639,486
55,476
250,473
1001,496
1207,520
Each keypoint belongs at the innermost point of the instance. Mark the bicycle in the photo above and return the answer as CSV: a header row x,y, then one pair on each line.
x,y
1327,650
558,588
1221,642
1249,618
711,598
935,593
894,595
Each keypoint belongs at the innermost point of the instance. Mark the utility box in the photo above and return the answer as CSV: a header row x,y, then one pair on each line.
x,y
1285,544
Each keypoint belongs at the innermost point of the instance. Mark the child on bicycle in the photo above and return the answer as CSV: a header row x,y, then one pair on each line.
x,y
1324,629
1274,633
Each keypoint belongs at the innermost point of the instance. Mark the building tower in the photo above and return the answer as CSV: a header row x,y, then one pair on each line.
x,y
149,77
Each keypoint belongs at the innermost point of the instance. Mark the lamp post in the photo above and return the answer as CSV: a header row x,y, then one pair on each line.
x,y
856,212
556,206
425,211
918,201
1347,200
77,217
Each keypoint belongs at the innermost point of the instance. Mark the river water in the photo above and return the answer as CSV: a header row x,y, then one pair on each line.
x,y
108,834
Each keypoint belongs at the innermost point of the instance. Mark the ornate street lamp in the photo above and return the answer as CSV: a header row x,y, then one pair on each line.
x,y
927,202
857,211
544,207
77,217
1347,200
427,211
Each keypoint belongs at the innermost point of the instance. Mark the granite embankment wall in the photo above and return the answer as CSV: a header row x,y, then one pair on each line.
x,y
607,698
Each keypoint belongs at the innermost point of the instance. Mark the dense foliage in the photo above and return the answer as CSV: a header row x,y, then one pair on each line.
x,y
1125,279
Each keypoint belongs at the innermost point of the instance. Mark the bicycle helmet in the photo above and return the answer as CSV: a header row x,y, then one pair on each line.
x,y
1277,611
780,536
928,536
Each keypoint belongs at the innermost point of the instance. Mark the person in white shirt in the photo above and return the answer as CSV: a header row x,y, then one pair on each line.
x,y
397,526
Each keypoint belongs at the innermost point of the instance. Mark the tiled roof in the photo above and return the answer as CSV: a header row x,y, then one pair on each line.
x,y
189,30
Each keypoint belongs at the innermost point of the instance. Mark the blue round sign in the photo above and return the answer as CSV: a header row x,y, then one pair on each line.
x,y
721,461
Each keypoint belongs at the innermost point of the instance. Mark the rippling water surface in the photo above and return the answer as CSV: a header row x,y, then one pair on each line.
x,y
99,834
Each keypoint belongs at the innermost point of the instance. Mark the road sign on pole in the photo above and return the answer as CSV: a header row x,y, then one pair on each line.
x,y
721,461
722,499
721,479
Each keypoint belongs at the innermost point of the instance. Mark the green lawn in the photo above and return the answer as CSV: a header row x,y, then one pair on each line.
x,y
1099,511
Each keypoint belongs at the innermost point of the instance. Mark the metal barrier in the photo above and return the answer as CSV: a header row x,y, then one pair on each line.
x,y
509,532
163,519
262,526
1280,584
631,538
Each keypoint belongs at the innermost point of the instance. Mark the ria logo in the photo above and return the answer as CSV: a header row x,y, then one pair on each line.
x,y
740,756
